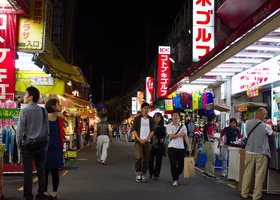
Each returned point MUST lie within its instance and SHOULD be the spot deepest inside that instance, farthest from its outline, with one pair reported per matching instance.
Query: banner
(140, 100)
(203, 28)
(149, 90)
(163, 70)
(7, 54)
(31, 27)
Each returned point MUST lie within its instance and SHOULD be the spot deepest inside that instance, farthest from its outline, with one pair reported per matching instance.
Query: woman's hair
(49, 105)
(161, 122)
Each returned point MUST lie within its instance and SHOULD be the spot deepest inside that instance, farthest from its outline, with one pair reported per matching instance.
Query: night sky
(111, 38)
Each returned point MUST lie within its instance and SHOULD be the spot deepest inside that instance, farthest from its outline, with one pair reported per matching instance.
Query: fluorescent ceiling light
(220, 73)
(172, 60)
(270, 39)
(254, 55)
(219, 69)
(263, 47)
(245, 60)
(225, 65)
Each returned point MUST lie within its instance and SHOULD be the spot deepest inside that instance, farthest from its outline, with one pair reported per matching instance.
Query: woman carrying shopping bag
(176, 148)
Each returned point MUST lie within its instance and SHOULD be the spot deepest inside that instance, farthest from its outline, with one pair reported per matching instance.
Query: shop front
(247, 62)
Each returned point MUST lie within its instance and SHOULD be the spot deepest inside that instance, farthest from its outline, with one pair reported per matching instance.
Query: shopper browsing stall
(209, 139)
(229, 135)
(176, 149)
(143, 130)
(257, 151)
(102, 137)
(54, 159)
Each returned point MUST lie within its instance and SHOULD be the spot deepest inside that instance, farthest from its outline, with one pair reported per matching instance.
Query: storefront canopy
(63, 69)
(253, 42)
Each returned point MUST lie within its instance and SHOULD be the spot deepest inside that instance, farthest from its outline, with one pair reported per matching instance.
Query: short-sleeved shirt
(178, 142)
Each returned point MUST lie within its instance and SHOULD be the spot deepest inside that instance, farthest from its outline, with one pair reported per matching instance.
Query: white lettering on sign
(163, 70)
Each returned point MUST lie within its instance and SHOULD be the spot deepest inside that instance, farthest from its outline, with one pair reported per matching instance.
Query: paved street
(86, 180)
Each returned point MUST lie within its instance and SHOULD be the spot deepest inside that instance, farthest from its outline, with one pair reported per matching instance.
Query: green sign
(9, 113)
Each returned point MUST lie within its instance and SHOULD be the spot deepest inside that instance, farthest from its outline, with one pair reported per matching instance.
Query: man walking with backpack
(102, 137)
(32, 138)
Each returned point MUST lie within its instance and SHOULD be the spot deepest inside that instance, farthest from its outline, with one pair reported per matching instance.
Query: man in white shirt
(143, 130)
(176, 148)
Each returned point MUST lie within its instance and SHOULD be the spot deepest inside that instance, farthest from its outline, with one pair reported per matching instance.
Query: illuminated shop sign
(203, 28)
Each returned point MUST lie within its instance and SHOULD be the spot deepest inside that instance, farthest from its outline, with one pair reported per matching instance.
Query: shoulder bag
(244, 142)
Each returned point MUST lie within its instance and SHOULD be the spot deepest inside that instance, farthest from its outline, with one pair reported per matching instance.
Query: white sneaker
(175, 183)
(144, 178)
(138, 177)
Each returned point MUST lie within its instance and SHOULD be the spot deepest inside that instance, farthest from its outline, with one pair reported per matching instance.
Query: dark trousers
(155, 167)
(39, 156)
(176, 158)
(55, 179)
(142, 156)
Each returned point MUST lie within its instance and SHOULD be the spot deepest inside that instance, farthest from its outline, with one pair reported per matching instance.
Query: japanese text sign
(31, 27)
(163, 70)
(8, 113)
(140, 99)
(259, 75)
(149, 90)
(253, 91)
(7, 54)
(203, 28)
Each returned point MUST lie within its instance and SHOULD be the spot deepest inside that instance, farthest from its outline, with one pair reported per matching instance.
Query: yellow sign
(31, 26)
(71, 154)
(168, 104)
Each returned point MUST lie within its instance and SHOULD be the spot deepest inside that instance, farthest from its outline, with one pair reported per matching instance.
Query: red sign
(149, 90)
(241, 108)
(7, 54)
(163, 70)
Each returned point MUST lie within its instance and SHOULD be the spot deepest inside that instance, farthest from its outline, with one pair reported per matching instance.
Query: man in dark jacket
(143, 130)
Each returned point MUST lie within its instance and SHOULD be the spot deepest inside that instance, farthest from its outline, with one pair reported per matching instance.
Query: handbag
(36, 143)
(189, 169)
(245, 140)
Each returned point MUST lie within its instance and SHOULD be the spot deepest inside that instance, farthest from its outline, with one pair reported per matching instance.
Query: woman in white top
(176, 148)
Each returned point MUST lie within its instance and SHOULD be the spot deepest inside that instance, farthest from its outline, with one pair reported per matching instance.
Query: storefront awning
(253, 105)
(78, 101)
(63, 69)
(220, 107)
(251, 43)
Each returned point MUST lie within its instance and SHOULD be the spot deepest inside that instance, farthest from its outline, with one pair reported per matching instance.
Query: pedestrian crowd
(40, 136)
(149, 147)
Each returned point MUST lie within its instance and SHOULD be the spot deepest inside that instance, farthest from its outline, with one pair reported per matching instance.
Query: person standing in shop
(229, 134)
(257, 154)
(54, 160)
(32, 139)
(143, 130)
(102, 138)
(176, 148)
(209, 139)
(157, 146)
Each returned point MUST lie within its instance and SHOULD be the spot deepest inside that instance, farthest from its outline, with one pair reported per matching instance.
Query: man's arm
(188, 143)
(21, 129)
(136, 135)
(95, 134)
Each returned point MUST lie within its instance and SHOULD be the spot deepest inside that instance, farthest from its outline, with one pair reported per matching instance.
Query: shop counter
(234, 163)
